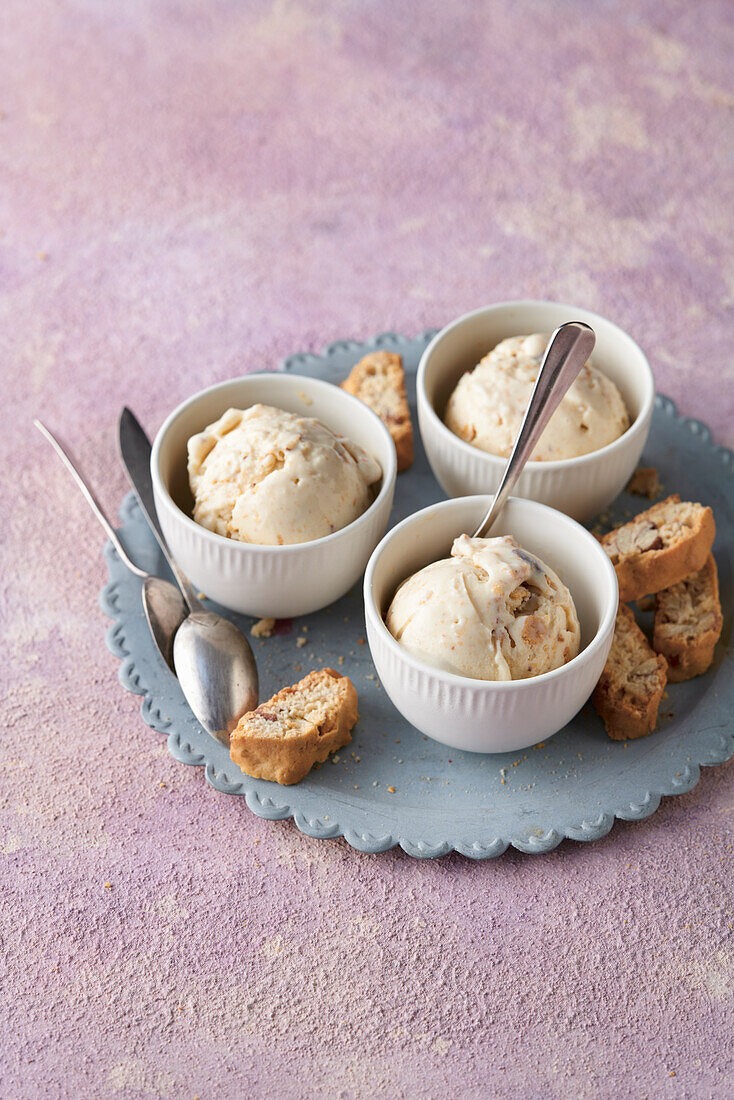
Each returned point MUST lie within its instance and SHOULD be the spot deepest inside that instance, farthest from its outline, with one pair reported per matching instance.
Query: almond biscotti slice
(688, 623)
(631, 686)
(283, 738)
(660, 546)
(379, 381)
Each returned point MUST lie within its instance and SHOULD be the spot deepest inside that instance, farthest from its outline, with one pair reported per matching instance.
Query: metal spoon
(213, 659)
(568, 349)
(165, 610)
(164, 607)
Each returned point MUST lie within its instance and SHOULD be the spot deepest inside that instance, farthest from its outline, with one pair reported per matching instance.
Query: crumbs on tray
(645, 482)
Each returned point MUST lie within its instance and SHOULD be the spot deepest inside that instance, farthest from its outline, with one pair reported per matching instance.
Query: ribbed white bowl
(278, 581)
(580, 487)
(477, 715)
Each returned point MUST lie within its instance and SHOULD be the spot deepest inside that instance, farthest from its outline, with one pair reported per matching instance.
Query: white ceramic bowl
(278, 581)
(582, 487)
(477, 715)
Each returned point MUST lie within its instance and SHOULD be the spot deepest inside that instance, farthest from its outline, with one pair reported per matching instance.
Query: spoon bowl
(215, 662)
(165, 610)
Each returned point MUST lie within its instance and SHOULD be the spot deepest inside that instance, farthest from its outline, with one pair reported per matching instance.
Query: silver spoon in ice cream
(568, 350)
(212, 658)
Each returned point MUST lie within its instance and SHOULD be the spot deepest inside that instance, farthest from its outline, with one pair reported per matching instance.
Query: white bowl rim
(606, 624)
(538, 464)
(388, 476)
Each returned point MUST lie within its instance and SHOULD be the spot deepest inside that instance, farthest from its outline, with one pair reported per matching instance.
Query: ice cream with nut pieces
(487, 406)
(274, 478)
(491, 611)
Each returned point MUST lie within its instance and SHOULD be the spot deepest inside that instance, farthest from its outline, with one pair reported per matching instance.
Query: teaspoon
(164, 607)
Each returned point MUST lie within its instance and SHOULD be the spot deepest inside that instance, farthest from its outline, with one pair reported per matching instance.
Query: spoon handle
(90, 499)
(568, 349)
(135, 451)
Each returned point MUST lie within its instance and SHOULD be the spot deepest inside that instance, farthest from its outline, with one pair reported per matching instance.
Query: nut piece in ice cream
(274, 478)
(491, 611)
(489, 402)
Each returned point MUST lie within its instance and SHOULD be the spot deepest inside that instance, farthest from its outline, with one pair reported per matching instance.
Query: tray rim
(132, 679)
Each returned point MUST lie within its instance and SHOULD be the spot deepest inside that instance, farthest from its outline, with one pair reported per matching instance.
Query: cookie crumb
(300, 642)
(263, 628)
(645, 483)
(391, 790)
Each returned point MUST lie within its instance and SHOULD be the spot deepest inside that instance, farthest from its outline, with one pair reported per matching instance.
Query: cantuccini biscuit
(660, 547)
(283, 738)
(688, 623)
(631, 686)
(379, 381)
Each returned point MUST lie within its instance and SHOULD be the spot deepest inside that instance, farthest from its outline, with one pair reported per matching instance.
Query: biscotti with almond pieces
(660, 547)
(688, 623)
(282, 739)
(631, 686)
(379, 381)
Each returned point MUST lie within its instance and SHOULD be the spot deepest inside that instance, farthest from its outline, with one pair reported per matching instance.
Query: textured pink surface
(192, 190)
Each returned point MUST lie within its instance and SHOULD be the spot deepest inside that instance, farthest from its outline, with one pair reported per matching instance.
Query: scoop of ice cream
(271, 477)
(491, 611)
(488, 404)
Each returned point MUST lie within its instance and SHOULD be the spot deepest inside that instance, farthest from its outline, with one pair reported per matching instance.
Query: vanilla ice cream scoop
(487, 406)
(491, 611)
(274, 478)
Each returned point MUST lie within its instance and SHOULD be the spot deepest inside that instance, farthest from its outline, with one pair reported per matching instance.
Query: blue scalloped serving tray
(392, 786)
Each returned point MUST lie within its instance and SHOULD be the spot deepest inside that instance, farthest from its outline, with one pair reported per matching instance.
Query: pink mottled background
(194, 189)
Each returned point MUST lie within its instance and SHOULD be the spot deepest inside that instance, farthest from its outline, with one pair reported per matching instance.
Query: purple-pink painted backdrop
(195, 189)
